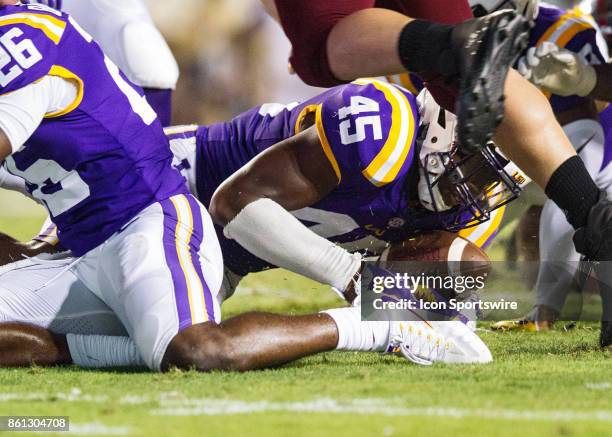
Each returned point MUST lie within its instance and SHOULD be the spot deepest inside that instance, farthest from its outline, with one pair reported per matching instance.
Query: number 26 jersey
(99, 162)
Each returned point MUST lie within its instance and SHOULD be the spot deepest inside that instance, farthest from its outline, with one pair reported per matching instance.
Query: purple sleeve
(367, 131)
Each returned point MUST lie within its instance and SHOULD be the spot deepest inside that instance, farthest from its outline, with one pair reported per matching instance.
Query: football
(437, 253)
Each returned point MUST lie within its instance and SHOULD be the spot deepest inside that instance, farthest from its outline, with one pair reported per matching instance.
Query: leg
(532, 138)
(37, 296)
(23, 345)
(46, 293)
(161, 275)
(251, 341)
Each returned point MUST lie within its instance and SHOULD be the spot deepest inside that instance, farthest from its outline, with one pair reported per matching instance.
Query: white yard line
(598, 386)
(97, 428)
(215, 407)
(176, 404)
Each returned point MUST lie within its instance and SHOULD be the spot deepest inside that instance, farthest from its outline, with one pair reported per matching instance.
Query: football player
(579, 34)
(125, 31)
(358, 189)
(92, 150)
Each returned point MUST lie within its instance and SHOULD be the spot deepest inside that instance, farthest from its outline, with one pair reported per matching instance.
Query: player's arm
(253, 206)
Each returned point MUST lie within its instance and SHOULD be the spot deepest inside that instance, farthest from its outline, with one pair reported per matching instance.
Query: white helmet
(528, 8)
(471, 184)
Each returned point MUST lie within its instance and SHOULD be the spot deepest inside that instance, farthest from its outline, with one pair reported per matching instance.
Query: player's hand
(557, 71)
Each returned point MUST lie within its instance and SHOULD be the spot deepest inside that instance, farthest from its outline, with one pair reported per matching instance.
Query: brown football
(437, 253)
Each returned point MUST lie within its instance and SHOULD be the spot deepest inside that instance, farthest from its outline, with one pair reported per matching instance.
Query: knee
(203, 347)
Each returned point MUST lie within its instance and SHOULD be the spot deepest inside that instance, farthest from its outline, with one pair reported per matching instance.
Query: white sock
(97, 351)
(356, 335)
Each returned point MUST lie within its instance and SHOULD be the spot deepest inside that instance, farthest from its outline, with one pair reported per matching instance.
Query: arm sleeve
(13, 183)
(22, 111)
(307, 24)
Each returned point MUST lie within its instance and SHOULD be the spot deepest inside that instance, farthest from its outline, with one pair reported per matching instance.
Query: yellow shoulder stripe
(56, 70)
(385, 167)
(325, 143)
(565, 29)
(52, 27)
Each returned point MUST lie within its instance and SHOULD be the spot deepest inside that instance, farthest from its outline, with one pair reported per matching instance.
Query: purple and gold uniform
(367, 130)
(93, 168)
(103, 168)
(573, 31)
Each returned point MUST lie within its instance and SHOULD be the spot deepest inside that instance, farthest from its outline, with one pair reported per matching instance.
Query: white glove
(557, 71)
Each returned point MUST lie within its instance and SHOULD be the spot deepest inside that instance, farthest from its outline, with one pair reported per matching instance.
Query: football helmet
(467, 185)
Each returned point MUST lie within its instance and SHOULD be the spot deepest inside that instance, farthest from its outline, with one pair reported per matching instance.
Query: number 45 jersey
(96, 164)
(368, 132)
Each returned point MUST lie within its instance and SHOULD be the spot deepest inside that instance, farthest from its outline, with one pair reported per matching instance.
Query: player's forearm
(372, 35)
(270, 232)
(603, 86)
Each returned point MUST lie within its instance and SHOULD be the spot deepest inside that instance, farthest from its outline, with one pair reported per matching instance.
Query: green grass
(540, 384)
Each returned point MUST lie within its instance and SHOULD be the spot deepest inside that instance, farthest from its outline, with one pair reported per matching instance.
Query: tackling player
(578, 116)
(125, 31)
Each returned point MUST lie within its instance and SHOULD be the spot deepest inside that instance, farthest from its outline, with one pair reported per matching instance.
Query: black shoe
(487, 48)
(594, 240)
(605, 337)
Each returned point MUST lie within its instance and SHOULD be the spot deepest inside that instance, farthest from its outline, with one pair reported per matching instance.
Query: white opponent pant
(159, 275)
(558, 258)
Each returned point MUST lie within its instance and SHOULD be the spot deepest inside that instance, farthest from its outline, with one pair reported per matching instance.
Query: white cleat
(428, 342)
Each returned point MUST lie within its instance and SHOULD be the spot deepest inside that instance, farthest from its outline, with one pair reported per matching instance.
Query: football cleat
(594, 241)
(522, 325)
(541, 318)
(427, 342)
(487, 48)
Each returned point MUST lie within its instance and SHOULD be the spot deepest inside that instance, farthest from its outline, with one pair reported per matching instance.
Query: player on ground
(93, 151)
(149, 265)
(376, 198)
(125, 31)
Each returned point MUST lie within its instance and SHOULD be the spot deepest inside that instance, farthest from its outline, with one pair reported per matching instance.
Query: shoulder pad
(367, 130)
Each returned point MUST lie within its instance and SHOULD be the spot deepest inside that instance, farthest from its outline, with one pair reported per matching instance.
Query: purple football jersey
(368, 131)
(98, 163)
(571, 30)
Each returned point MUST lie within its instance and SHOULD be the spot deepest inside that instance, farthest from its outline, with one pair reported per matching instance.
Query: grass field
(548, 384)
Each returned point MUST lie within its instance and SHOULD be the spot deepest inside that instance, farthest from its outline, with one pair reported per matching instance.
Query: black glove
(595, 239)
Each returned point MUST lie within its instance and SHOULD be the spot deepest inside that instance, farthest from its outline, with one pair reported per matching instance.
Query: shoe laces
(418, 346)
